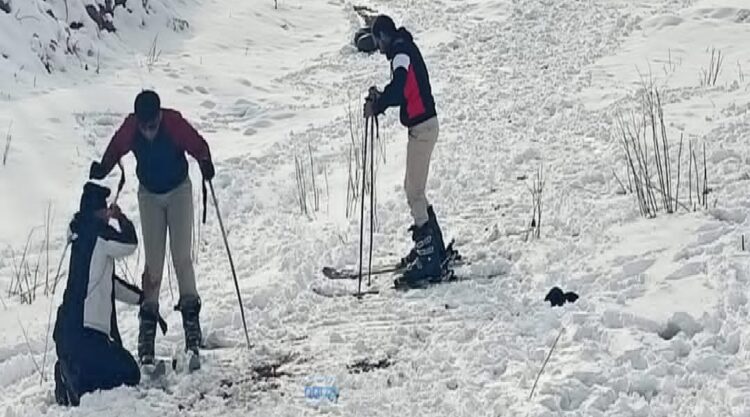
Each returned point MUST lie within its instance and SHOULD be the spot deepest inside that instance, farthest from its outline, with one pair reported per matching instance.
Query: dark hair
(147, 106)
(383, 25)
(94, 197)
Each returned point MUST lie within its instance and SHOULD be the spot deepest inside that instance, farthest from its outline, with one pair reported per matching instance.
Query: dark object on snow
(366, 365)
(364, 41)
(557, 297)
(5, 6)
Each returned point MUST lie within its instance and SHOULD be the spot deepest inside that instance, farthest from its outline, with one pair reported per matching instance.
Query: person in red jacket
(159, 139)
(410, 90)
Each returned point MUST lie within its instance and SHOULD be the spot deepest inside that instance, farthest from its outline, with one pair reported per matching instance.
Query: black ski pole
(121, 184)
(373, 127)
(362, 208)
(231, 262)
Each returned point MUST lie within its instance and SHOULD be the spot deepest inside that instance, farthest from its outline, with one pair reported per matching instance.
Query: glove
(373, 94)
(96, 171)
(557, 297)
(207, 169)
(369, 110)
(115, 212)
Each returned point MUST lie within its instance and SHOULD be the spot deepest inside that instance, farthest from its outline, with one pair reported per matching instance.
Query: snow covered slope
(660, 326)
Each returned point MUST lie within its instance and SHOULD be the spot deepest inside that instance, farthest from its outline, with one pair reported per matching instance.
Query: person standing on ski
(410, 89)
(89, 350)
(159, 139)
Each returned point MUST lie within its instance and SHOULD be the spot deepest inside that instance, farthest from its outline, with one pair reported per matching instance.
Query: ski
(449, 276)
(453, 258)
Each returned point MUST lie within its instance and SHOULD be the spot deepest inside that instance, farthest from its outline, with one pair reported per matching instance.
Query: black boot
(427, 264)
(190, 307)
(439, 244)
(437, 233)
(412, 255)
(148, 317)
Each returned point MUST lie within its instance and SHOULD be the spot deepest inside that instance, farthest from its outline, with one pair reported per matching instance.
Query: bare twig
(28, 346)
(739, 70)
(697, 179)
(624, 190)
(705, 178)
(536, 201)
(153, 54)
(660, 191)
(679, 160)
(316, 199)
(690, 173)
(49, 312)
(549, 355)
(48, 223)
(8, 138)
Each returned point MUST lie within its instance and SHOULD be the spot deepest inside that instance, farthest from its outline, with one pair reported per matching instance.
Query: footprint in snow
(208, 104)
(201, 90)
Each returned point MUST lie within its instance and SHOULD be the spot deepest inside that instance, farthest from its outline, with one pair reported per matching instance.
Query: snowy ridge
(659, 329)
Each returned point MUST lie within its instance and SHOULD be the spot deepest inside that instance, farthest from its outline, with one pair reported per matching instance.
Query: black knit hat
(94, 197)
(147, 106)
(383, 25)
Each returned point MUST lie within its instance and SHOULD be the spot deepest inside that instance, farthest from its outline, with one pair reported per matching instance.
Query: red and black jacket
(161, 162)
(410, 84)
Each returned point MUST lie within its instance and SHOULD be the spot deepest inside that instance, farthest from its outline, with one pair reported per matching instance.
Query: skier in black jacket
(410, 90)
(89, 349)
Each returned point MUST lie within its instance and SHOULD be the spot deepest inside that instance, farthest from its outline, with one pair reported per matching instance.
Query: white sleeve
(401, 61)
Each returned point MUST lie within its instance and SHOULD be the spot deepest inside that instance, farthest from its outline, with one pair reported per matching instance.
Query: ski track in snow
(511, 80)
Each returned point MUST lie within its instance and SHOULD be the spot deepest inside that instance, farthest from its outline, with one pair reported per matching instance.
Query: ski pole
(373, 128)
(231, 262)
(121, 184)
(362, 208)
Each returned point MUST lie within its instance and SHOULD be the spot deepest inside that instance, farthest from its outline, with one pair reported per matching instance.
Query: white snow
(659, 329)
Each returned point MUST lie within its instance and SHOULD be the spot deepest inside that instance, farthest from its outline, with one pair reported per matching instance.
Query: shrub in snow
(44, 36)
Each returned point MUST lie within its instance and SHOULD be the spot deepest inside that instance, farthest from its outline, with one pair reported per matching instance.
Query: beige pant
(422, 139)
(171, 211)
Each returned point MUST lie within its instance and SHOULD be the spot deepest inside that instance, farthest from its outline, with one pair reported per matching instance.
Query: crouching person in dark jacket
(89, 349)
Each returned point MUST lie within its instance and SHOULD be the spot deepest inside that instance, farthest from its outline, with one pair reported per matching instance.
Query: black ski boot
(190, 308)
(437, 233)
(148, 317)
(439, 244)
(427, 265)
